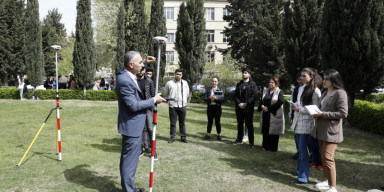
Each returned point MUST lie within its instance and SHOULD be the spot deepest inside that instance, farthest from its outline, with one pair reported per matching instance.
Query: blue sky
(66, 7)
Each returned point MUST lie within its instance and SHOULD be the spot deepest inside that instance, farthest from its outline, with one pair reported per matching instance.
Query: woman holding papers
(272, 115)
(214, 97)
(329, 131)
(303, 124)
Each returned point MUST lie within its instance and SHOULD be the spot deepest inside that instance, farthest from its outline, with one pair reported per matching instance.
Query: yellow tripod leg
(25, 154)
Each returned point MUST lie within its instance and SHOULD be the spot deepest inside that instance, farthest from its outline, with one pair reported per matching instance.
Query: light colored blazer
(276, 122)
(302, 121)
(132, 106)
(329, 126)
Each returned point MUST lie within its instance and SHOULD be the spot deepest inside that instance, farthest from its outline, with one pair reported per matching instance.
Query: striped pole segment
(153, 149)
(58, 135)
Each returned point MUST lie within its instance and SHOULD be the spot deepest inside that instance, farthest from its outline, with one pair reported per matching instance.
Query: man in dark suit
(131, 118)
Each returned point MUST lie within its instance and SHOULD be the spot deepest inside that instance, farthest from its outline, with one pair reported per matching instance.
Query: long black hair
(335, 77)
(306, 97)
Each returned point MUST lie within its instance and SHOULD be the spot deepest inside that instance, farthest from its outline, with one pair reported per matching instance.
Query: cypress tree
(352, 43)
(266, 50)
(191, 40)
(120, 48)
(12, 39)
(84, 55)
(53, 34)
(301, 29)
(34, 55)
(136, 26)
(157, 27)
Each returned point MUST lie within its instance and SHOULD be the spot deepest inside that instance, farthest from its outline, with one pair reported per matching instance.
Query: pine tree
(301, 28)
(157, 27)
(136, 26)
(34, 55)
(120, 48)
(352, 43)
(191, 40)
(53, 33)
(84, 55)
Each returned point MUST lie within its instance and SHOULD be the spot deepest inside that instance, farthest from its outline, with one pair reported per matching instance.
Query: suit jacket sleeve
(341, 106)
(128, 95)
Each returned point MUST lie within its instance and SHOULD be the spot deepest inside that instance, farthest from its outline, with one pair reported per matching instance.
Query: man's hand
(294, 107)
(212, 97)
(264, 108)
(159, 99)
(150, 59)
(242, 105)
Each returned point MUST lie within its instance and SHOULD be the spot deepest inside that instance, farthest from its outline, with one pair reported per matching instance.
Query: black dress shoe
(184, 140)
(148, 150)
(139, 190)
(207, 137)
(171, 140)
(297, 182)
(251, 146)
(219, 138)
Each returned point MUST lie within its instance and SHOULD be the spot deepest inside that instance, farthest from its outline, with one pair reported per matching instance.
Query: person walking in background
(102, 84)
(63, 80)
(329, 125)
(21, 86)
(72, 82)
(178, 90)
(112, 83)
(131, 118)
(272, 115)
(214, 97)
(303, 124)
(147, 87)
(96, 86)
(291, 114)
(244, 97)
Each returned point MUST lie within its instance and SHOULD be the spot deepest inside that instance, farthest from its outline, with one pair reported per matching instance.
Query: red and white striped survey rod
(159, 41)
(58, 135)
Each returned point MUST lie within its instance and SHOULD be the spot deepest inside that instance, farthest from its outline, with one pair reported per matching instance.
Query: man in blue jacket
(131, 118)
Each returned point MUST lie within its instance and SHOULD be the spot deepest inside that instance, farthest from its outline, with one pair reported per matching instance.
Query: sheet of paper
(312, 109)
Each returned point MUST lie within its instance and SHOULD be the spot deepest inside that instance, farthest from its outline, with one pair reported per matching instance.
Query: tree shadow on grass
(90, 179)
(109, 145)
(279, 167)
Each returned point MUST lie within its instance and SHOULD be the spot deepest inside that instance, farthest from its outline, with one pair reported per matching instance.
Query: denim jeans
(303, 159)
(314, 144)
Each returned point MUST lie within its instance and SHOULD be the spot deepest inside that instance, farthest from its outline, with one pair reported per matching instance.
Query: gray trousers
(148, 129)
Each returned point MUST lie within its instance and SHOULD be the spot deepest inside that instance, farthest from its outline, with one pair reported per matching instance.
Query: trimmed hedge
(367, 116)
(377, 98)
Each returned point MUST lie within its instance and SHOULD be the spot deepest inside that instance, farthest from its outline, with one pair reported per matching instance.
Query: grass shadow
(109, 145)
(90, 179)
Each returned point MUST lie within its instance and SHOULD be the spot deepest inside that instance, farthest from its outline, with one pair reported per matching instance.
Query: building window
(210, 14)
(225, 38)
(210, 56)
(171, 74)
(170, 57)
(226, 12)
(169, 13)
(170, 37)
(211, 36)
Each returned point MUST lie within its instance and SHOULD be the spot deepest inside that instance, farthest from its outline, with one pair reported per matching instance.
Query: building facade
(215, 25)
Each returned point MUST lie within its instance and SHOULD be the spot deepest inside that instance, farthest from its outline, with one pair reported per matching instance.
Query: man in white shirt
(177, 90)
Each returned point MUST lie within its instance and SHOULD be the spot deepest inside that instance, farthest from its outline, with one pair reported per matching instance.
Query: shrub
(377, 98)
(197, 97)
(9, 93)
(367, 116)
(101, 95)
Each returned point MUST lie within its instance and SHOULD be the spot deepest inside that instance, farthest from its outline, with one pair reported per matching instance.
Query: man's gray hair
(129, 57)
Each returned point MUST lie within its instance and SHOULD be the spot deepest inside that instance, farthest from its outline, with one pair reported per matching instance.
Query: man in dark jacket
(245, 95)
(147, 87)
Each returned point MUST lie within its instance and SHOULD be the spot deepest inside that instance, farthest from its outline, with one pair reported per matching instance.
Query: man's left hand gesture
(150, 59)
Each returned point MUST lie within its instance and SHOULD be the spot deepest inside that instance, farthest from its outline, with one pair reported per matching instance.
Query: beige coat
(329, 127)
(276, 123)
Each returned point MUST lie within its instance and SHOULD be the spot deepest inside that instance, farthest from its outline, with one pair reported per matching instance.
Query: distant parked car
(230, 89)
(198, 88)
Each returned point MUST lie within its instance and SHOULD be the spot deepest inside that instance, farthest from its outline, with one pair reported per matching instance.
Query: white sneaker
(332, 190)
(245, 139)
(322, 185)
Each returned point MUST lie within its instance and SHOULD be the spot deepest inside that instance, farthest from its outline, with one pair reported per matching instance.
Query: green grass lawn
(91, 153)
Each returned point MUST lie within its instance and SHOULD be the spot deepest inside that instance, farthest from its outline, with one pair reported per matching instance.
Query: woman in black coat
(214, 97)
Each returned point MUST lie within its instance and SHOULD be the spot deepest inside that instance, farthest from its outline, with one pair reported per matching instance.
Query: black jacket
(218, 101)
(251, 91)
